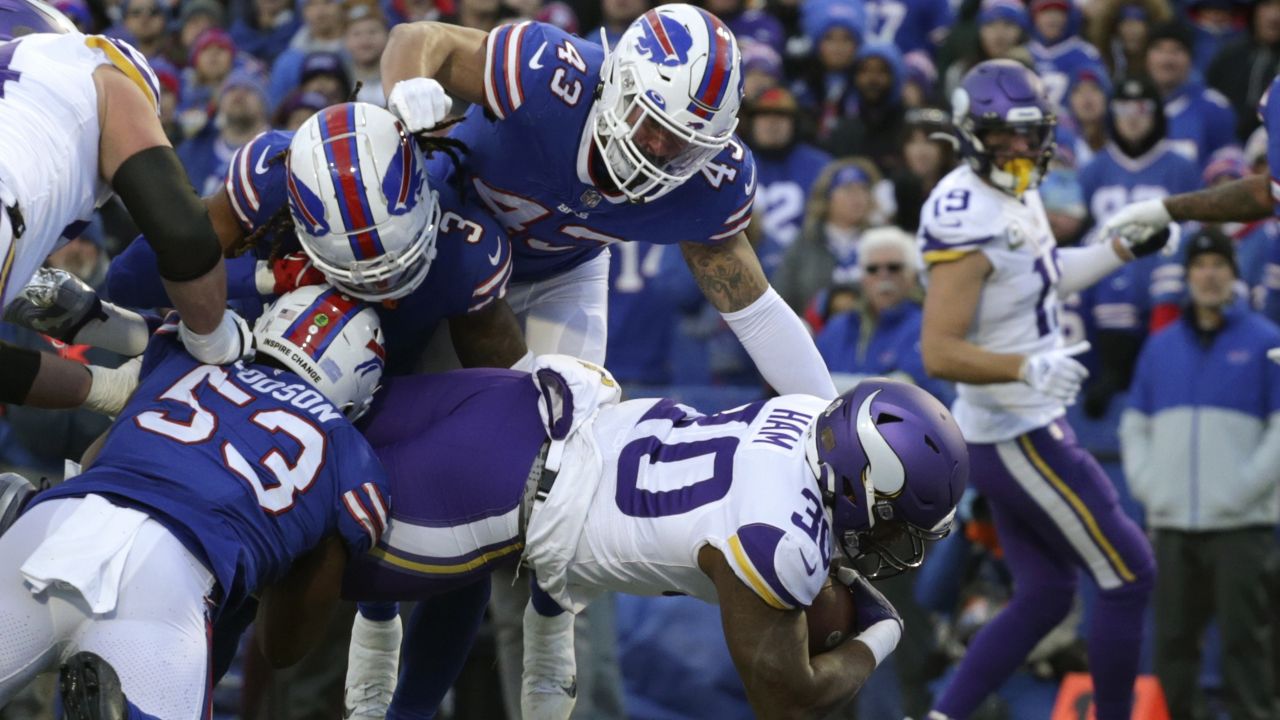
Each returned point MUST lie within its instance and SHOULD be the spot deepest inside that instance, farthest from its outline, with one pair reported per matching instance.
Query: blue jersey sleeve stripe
(734, 230)
(498, 280)
(359, 514)
(495, 76)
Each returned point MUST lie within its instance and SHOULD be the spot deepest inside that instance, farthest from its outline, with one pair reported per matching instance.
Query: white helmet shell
(361, 202)
(669, 100)
(329, 338)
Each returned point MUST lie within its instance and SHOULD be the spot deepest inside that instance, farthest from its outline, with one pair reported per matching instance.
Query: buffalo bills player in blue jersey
(355, 189)
(573, 149)
(211, 484)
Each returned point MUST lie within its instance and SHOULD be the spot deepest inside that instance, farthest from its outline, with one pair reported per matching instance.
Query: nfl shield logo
(590, 198)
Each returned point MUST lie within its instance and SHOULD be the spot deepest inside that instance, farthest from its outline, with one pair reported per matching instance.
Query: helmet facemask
(1019, 174)
(390, 275)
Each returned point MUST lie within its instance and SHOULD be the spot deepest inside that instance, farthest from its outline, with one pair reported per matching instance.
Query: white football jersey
(1018, 309)
(49, 133)
(674, 480)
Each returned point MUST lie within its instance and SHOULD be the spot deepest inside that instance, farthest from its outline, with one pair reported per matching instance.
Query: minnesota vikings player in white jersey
(991, 325)
(650, 497)
(78, 121)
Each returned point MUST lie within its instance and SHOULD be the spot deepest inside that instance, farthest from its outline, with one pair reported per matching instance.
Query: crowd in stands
(846, 113)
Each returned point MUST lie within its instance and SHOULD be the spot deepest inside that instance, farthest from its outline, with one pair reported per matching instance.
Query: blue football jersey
(473, 257)
(1056, 64)
(533, 164)
(784, 184)
(909, 24)
(249, 466)
(1269, 113)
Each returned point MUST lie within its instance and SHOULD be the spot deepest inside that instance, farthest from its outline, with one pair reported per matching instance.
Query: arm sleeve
(507, 70)
(955, 222)
(1084, 266)
(364, 502)
(256, 181)
(781, 347)
(775, 565)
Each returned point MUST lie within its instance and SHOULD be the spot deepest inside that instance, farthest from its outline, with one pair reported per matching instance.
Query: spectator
(1063, 202)
(1243, 69)
(1201, 447)
(1216, 24)
(925, 160)
(839, 210)
(325, 73)
(170, 95)
(145, 26)
(242, 114)
(78, 12)
(195, 17)
(1002, 33)
(1120, 30)
(1087, 112)
(366, 36)
(212, 59)
(1057, 48)
(617, 15)
(558, 14)
(748, 23)
(909, 25)
(266, 29)
(834, 28)
(297, 108)
(761, 68)
(875, 129)
(481, 14)
(785, 171)
(883, 336)
(1137, 164)
(1200, 119)
(919, 80)
(323, 23)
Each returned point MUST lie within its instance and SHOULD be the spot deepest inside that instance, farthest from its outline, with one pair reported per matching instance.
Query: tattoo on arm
(729, 275)
(1237, 201)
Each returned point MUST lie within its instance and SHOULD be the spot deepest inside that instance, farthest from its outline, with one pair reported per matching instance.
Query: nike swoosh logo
(261, 166)
(534, 62)
(497, 254)
(809, 569)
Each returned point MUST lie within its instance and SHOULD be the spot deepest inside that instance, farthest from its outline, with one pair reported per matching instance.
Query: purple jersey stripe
(760, 543)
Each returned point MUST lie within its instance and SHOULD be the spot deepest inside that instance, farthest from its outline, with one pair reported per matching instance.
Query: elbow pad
(157, 194)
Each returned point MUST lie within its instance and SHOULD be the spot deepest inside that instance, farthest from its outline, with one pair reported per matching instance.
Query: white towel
(87, 551)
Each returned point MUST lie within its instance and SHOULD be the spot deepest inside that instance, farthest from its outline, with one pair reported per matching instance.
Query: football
(831, 617)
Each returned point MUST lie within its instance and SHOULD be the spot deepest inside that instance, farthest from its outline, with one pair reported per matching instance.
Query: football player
(651, 497)
(573, 149)
(78, 121)
(991, 325)
(352, 187)
(211, 484)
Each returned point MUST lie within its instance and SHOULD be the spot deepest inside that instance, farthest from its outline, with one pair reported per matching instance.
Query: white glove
(420, 102)
(1055, 372)
(1139, 221)
(1274, 354)
(232, 340)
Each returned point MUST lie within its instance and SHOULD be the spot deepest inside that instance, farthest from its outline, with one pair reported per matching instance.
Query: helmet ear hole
(932, 445)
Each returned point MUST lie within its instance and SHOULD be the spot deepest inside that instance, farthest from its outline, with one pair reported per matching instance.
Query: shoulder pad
(784, 572)
(957, 220)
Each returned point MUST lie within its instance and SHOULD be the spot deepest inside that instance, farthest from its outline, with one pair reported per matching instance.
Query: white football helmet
(361, 203)
(669, 100)
(329, 338)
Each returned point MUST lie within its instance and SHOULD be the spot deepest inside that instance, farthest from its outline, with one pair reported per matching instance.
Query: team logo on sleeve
(665, 41)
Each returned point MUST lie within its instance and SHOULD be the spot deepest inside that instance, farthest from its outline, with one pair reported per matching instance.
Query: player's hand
(294, 271)
(1274, 354)
(1056, 373)
(232, 340)
(420, 102)
(111, 388)
(55, 303)
(1137, 224)
(870, 605)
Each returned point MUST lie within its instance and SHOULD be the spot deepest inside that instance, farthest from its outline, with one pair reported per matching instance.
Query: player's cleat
(15, 491)
(91, 689)
(373, 663)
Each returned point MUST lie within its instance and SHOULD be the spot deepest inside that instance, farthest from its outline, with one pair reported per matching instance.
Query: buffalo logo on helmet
(307, 207)
(377, 362)
(664, 40)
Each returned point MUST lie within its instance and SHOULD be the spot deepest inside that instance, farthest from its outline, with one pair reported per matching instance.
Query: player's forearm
(201, 301)
(488, 338)
(1242, 200)
(959, 360)
(451, 55)
(830, 681)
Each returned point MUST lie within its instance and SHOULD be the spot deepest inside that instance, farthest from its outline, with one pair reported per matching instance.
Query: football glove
(55, 303)
(1055, 372)
(286, 274)
(232, 340)
(421, 103)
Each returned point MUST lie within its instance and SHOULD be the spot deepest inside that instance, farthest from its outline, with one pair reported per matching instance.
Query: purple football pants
(1056, 513)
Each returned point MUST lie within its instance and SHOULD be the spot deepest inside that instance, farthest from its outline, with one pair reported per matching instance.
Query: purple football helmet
(891, 464)
(24, 17)
(1004, 96)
